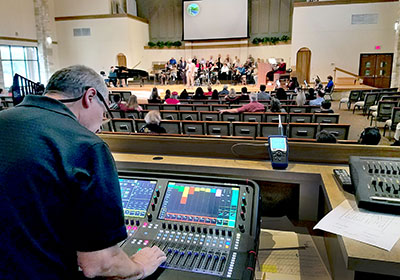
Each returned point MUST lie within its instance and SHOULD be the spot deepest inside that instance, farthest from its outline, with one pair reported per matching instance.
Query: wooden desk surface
(357, 255)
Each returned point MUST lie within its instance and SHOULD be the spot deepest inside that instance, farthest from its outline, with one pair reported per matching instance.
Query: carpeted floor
(357, 121)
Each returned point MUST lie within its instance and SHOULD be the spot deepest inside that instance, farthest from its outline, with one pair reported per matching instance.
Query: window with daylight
(19, 60)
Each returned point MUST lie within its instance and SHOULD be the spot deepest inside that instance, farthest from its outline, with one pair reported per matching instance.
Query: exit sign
(378, 47)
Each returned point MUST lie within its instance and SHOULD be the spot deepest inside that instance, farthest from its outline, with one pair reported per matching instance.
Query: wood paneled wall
(266, 18)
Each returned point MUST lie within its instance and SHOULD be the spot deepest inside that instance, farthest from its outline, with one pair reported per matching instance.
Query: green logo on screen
(193, 9)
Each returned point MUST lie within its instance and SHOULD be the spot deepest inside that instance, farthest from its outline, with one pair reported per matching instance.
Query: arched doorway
(121, 59)
(303, 62)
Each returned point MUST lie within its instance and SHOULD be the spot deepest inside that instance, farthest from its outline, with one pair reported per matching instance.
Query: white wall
(327, 31)
(263, 52)
(17, 16)
(81, 7)
(108, 38)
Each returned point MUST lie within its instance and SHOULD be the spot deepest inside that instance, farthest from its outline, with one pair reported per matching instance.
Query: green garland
(161, 44)
(272, 40)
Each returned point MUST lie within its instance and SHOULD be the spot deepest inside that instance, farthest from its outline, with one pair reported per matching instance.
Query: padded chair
(125, 95)
(305, 130)
(271, 117)
(329, 93)
(383, 112)
(326, 118)
(170, 115)
(340, 131)
(185, 107)
(172, 127)
(139, 123)
(133, 115)
(218, 128)
(123, 125)
(218, 107)
(369, 100)
(231, 117)
(209, 116)
(168, 107)
(394, 120)
(202, 107)
(301, 117)
(267, 129)
(189, 115)
(384, 96)
(106, 126)
(297, 109)
(253, 117)
(192, 127)
(156, 107)
(248, 129)
(353, 97)
(117, 114)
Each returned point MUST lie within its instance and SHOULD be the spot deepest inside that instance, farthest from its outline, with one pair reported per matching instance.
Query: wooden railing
(357, 79)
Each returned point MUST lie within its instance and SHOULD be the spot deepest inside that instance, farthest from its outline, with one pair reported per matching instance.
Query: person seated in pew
(370, 136)
(311, 95)
(215, 95)
(245, 94)
(318, 100)
(132, 104)
(184, 94)
(263, 95)
(209, 91)
(301, 98)
(224, 91)
(281, 94)
(167, 95)
(199, 94)
(116, 105)
(173, 100)
(276, 106)
(326, 107)
(253, 106)
(326, 137)
(152, 119)
(232, 97)
(154, 97)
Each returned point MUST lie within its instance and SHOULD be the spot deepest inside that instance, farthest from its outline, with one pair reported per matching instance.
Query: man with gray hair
(224, 91)
(253, 106)
(60, 197)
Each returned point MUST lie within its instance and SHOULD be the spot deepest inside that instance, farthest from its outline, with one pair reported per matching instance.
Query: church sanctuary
(200, 139)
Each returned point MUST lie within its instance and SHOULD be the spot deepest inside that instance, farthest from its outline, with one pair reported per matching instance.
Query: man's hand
(149, 259)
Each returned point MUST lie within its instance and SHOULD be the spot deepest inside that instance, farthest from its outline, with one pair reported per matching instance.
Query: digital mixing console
(207, 227)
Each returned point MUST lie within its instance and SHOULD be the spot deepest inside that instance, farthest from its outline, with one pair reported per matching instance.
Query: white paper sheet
(377, 229)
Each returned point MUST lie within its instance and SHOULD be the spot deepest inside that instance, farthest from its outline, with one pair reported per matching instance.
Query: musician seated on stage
(154, 97)
(263, 95)
(153, 120)
(225, 72)
(112, 75)
(330, 84)
(253, 106)
(173, 99)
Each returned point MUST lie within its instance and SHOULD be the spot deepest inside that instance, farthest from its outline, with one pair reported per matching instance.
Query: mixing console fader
(208, 228)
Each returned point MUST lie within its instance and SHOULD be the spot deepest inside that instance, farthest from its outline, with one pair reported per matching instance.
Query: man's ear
(88, 98)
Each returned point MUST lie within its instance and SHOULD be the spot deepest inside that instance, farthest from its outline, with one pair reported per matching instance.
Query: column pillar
(43, 31)
(1, 76)
(396, 59)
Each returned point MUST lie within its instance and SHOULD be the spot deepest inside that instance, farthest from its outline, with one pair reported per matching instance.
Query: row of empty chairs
(223, 128)
(246, 117)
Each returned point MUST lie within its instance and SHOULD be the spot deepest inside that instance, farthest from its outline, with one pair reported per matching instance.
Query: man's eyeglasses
(98, 94)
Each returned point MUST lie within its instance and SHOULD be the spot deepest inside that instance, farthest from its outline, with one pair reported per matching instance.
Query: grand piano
(123, 73)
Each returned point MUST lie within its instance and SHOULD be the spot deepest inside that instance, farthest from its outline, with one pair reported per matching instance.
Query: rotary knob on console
(205, 230)
(217, 231)
(155, 199)
(223, 232)
(149, 217)
(211, 231)
(186, 228)
(175, 227)
(157, 193)
(244, 200)
(164, 225)
(242, 215)
(229, 233)
(193, 229)
(153, 206)
(241, 227)
(181, 227)
(169, 226)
